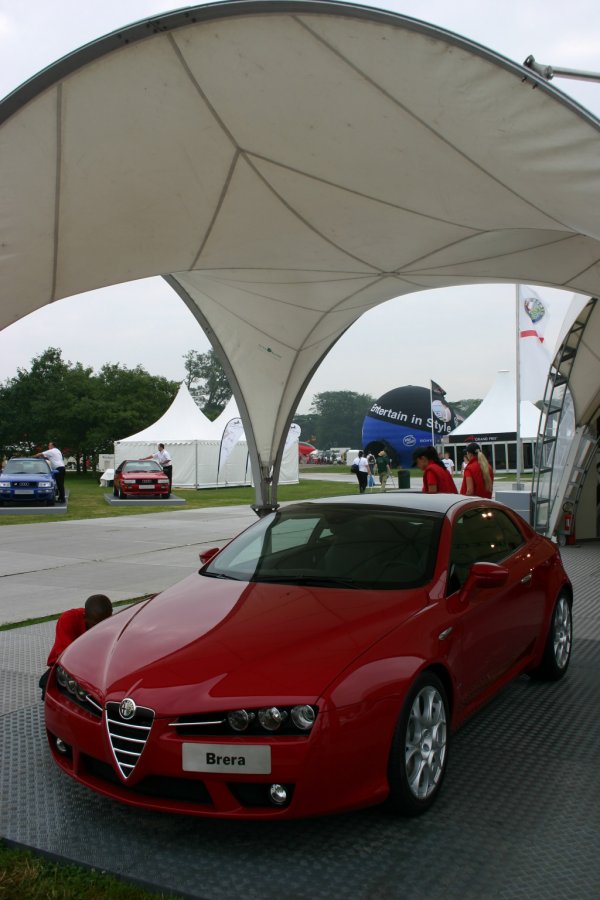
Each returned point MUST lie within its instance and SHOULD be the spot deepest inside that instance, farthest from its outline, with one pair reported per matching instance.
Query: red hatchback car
(318, 663)
(140, 478)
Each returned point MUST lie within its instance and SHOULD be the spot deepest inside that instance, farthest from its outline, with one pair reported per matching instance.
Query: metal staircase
(564, 451)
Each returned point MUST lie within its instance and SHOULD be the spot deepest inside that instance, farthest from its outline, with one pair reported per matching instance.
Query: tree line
(85, 412)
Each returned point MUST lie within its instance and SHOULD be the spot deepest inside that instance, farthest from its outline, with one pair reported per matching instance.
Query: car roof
(416, 501)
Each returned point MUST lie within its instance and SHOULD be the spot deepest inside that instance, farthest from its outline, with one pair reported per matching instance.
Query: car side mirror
(486, 575)
(207, 555)
(481, 575)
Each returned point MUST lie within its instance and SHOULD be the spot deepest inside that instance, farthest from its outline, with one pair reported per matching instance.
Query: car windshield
(143, 465)
(26, 467)
(334, 545)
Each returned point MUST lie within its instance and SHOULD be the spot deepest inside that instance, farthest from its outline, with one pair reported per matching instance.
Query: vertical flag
(534, 358)
(442, 417)
(293, 435)
(231, 435)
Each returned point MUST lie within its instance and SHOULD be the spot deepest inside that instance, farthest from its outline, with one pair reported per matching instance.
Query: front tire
(419, 753)
(557, 652)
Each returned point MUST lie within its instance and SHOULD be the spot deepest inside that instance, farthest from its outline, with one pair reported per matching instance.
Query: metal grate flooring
(519, 816)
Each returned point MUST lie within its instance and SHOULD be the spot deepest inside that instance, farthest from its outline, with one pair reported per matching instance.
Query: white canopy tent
(497, 413)
(287, 166)
(194, 443)
(494, 423)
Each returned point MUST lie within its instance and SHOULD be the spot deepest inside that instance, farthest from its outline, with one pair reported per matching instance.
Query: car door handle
(526, 578)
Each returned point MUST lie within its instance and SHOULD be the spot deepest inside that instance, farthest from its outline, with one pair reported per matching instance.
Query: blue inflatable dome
(402, 420)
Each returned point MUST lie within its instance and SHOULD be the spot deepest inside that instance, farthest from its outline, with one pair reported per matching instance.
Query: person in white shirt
(448, 462)
(57, 464)
(163, 458)
(362, 473)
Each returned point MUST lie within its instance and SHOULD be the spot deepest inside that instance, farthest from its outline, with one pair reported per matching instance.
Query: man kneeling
(72, 624)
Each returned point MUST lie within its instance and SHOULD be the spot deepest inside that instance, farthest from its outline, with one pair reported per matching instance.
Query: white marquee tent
(194, 443)
(302, 163)
(494, 423)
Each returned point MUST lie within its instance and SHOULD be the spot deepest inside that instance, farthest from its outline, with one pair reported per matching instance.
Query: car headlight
(239, 719)
(271, 718)
(61, 676)
(45, 484)
(128, 480)
(4, 484)
(303, 717)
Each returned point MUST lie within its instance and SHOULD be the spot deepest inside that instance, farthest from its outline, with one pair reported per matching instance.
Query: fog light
(239, 719)
(278, 794)
(63, 748)
(271, 718)
(303, 717)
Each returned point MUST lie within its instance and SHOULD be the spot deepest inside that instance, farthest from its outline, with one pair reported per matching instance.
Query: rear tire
(419, 752)
(557, 652)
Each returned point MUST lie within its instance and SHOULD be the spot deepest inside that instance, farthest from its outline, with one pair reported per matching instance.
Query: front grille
(146, 481)
(128, 736)
(25, 484)
(183, 790)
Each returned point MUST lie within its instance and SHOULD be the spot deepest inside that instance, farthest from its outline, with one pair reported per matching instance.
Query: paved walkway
(48, 567)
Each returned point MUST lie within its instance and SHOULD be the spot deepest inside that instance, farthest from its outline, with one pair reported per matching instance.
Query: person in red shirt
(72, 624)
(436, 477)
(478, 476)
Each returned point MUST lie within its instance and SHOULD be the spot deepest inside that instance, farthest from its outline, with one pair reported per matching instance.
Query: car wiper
(302, 579)
(222, 575)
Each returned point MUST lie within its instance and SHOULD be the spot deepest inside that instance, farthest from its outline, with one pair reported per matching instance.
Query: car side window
(483, 534)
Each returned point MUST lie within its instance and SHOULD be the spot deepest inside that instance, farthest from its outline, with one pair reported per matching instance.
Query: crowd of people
(438, 474)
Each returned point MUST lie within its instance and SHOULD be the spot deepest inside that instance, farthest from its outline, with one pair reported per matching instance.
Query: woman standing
(436, 477)
(478, 477)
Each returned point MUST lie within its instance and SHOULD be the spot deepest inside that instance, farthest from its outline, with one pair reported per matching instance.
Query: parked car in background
(140, 478)
(317, 663)
(26, 480)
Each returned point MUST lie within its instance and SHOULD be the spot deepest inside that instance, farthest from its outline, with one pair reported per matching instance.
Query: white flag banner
(293, 435)
(231, 435)
(534, 358)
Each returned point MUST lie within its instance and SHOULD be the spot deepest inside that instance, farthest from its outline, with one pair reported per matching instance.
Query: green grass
(28, 877)
(8, 626)
(86, 499)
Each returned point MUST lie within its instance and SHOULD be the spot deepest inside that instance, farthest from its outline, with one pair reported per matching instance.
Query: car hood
(206, 642)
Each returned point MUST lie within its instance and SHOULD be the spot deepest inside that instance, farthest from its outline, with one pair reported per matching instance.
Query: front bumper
(321, 772)
(28, 495)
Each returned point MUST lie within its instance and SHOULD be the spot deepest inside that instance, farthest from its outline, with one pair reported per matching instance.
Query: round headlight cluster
(272, 718)
(67, 681)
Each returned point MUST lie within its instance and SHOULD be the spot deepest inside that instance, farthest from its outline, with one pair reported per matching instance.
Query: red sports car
(318, 663)
(140, 478)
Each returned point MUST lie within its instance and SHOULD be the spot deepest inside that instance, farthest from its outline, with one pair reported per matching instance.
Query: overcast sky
(395, 344)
